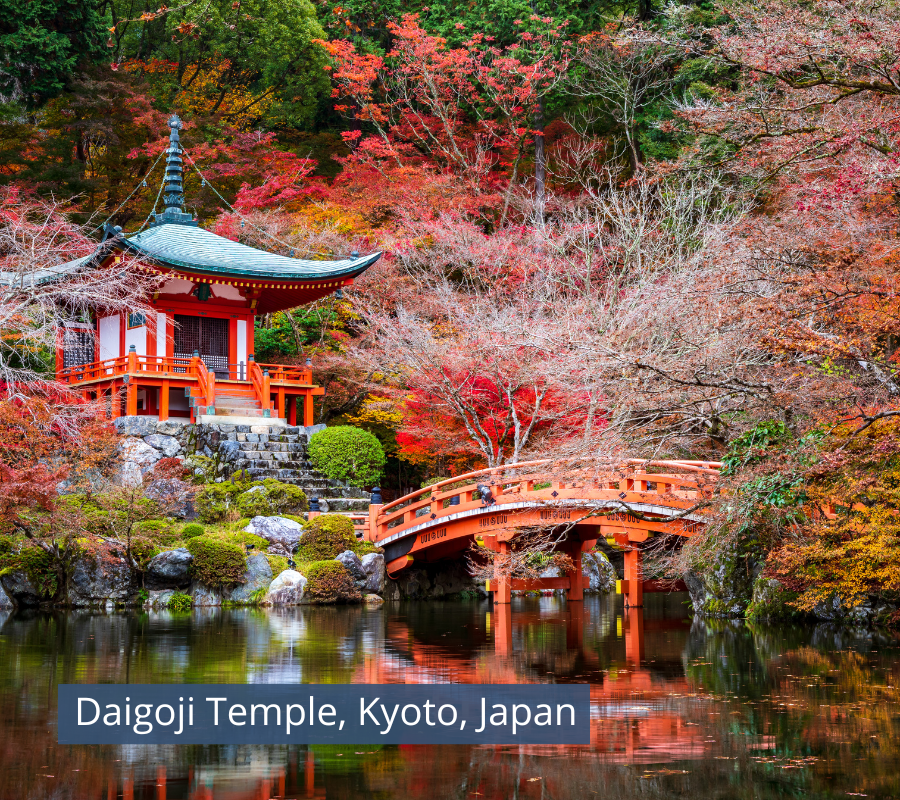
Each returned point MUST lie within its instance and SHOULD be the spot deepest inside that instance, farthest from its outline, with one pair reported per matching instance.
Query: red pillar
(634, 575)
(307, 409)
(292, 410)
(576, 584)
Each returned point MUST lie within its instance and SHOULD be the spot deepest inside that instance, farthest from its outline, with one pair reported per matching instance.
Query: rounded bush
(216, 562)
(329, 582)
(345, 453)
(326, 536)
(191, 530)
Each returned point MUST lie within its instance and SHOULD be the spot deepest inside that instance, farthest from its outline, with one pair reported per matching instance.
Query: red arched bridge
(626, 505)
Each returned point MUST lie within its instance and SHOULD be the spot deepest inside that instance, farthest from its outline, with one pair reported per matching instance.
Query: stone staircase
(279, 451)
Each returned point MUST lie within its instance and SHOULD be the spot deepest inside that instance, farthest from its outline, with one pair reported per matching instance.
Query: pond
(679, 708)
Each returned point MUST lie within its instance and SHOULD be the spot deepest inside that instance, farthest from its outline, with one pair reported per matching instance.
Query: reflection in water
(703, 710)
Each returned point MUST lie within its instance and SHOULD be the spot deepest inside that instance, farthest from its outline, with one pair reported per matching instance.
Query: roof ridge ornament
(174, 180)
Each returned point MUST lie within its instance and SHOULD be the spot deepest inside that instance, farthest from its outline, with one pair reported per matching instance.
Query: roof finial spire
(174, 172)
(174, 180)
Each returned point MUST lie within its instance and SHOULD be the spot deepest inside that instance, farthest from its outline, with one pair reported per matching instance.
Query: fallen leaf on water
(531, 780)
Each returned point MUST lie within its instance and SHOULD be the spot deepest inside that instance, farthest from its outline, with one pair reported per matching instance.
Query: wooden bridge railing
(508, 483)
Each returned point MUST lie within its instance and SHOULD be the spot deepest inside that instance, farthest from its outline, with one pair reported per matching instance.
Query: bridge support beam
(634, 576)
(576, 584)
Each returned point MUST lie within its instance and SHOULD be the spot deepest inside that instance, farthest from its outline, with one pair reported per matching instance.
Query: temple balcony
(167, 386)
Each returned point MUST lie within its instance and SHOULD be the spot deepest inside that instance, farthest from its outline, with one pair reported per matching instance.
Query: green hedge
(326, 536)
(345, 453)
(217, 562)
(329, 582)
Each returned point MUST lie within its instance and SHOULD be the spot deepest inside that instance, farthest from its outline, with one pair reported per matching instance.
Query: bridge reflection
(643, 708)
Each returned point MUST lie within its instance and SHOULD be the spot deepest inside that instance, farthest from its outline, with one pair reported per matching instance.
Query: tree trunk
(540, 163)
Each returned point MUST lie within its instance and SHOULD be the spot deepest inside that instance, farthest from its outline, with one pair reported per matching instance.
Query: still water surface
(679, 709)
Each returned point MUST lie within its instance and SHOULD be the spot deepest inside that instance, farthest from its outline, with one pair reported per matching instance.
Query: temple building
(193, 356)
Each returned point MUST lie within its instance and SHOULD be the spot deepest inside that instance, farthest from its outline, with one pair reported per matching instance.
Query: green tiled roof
(198, 250)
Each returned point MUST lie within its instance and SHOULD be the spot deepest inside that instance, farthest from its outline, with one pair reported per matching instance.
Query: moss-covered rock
(771, 601)
(330, 582)
(722, 586)
(216, 562)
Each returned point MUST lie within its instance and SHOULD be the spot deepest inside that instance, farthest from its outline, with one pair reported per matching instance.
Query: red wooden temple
(193, 355)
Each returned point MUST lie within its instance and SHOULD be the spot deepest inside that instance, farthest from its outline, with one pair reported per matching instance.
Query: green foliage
(755, 445)
(270, 498)
(215, 501)
(142, 550)
(329, 582)
(180, 602)
(326, 536)
(42, 43)
(216, 561)
(345, 453)
(258, 596)
(191, 530)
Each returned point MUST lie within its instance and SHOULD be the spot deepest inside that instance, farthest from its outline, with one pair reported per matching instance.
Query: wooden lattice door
(207, 336)
(78, 346)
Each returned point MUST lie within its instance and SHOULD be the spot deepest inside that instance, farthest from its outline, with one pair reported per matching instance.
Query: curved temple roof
(199, 250)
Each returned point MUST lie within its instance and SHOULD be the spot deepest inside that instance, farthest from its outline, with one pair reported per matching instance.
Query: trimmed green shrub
(216, 562)
(271, 497)
(329, 582)
(326, 536)
(191, 530)
(180, 602)
(345, 453)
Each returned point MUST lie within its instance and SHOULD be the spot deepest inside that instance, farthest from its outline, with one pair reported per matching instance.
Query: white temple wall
(109, 337)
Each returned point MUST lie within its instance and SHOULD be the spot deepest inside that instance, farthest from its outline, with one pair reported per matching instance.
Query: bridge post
(575, 591)
(634, 576)
(503, 590)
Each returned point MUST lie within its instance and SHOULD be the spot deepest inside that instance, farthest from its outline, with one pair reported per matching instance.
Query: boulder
(354, 566)
(171, 427)
(6, 604)
(373, 567)
(175, 496)
(373, 600)
(286, 590)
(100, 577)
(277, 531)
(167, 445)
(258, 576)
(159, 599)
(602, 574)
(205, 596)
(19, 588)
(135, 426)
(139, 452)
(169, 570)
